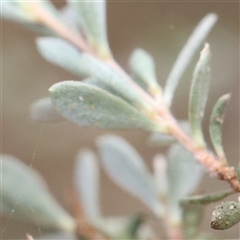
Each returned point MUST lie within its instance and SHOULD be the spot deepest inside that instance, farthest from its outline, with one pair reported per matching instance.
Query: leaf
(86, 180)
(43, 110)
(186, 54)
(58, 236)
(112, 79)
(127, 169)
(61, 53)
(112, 226)
(95, 82)
(206, 198)
(26, 14)
(184, 175)
(164, 140)
(134, 225)
(92, 18)
(160, 175)
(225, 215)
(159, 139)
(192, 217)
(17, 11)
(90, 106)
(25, 193)
(198, 95)
(143, 68)
(216, 121)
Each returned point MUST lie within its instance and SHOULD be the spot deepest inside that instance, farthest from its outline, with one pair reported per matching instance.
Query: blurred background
(161, 28)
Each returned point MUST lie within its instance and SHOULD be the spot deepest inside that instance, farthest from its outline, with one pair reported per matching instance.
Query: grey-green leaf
(192, 217)
(43, 110)
(87, 183)
(225, 215)
(90, 106)
(143, 69)
(199, 95)
(109, 77)
(164, 140)
(184, 176)
(127, 169)
(92, 18)
(186, 54)
(159, 139)
(94, 81)
(61, 53)
(17, 11)
(206, 198)
(25, 193)
(216, 121)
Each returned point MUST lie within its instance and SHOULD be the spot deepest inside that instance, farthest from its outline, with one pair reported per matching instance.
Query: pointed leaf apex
(206, 51)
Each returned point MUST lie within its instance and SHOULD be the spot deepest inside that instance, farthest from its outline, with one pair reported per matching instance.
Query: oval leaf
(95, 82)
(43, 110)
(90, 106)
(199, 94)
(127, 169)
(61, 53)
(184, 175)
(92, 18)
(216, 121)
(24, 192)
(87, 183)
(112, 79)
(186, 54)
(225, 215)
(143, 69)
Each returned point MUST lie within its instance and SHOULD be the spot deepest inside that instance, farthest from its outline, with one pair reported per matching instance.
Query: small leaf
(112, 226)
(216, 124)
(160, 175)
(164, 140)
(90, 106)
(112, 79)
(184, 176)
(159, 139)
(198, 95)
(143, 68)
(43, 110)
(95, 82)
(17, 11)
(134, 225)
(206, 198)
(127, 169)
(92, 18)
(58, 236)
(24, 192)
(192, 217)
(25, 13)
(206, 236)
(87, 183)
(61, 53)
(186, 54)
(225, 215)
